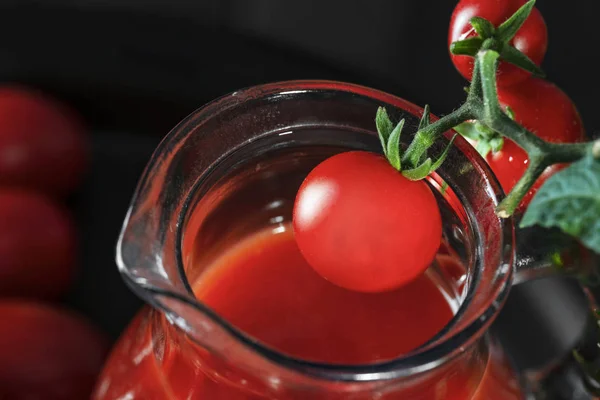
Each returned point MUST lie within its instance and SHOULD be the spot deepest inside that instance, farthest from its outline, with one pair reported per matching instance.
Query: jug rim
(421, 359)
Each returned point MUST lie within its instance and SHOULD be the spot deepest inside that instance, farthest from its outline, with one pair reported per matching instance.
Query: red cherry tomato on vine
(42, 143)
(47, 353)
(545, 110)
(363, 226)
(532, 38)
(37, 245)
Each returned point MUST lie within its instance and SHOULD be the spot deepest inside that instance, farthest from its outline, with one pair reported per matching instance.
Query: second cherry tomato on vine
(531, 39)
(545, 110)
(47, 352)
(363, 226)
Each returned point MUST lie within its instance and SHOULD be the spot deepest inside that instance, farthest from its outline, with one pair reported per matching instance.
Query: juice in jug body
(237, 312)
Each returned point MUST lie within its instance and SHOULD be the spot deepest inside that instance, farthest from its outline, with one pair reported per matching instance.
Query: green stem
(482, 104)
(510, 203)
(548, 154)
(493, 116)
(475, 90)
(568, 152)
(541, 153)
(425, 137)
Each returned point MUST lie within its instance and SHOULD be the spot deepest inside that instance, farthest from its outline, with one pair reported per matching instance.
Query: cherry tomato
(532, 38)
(37, 245)
(363, 226)
(47, 353)
(42, 143)
(545, 110)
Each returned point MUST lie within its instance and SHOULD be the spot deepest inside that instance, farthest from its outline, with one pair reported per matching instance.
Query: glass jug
(230, 170)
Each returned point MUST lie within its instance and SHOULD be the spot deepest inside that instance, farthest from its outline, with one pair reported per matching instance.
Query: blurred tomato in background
(48, 353)
(38, 245)
(42, 143)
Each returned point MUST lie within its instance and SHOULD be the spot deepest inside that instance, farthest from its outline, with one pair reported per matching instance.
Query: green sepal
(516, 57)
(496, 144)
(419, 172)
(466, 47)
(425, 119)
(485, 139)
(393, 146)
(384, 127)
(511, 26)
(498, 39)
(570, 200)
(468, 130)
(483, 148)
(443, 156)
(483, 27)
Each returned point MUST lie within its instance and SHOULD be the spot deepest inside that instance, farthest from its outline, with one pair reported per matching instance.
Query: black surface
(134, 69)
(542, 321)
(142, 66)
(117, 163)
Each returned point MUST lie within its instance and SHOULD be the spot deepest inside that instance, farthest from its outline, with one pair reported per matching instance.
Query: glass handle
(544, 252)
(577, 377)
(587, 354)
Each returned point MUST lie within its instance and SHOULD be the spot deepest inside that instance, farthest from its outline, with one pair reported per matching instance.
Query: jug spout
(146, 253)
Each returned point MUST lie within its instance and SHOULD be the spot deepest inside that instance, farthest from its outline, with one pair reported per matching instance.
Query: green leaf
(468, 130)
(570, 200)
(425, 120)
(384, 127)
(485, 131)
(514, 56)
(418, 173)
(511, 26)
(485, 139)
(483, 147)
(443, 156)
(393, 146)
(466, 47)
(483, 27)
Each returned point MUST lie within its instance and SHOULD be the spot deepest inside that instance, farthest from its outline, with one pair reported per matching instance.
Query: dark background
(134, 69)
(143, 65)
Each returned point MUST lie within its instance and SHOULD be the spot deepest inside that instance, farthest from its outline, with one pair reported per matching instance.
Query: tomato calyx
(483, 138)
(389, 135)
(498, 39)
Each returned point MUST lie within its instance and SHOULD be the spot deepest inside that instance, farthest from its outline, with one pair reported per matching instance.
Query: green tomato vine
(569, 200)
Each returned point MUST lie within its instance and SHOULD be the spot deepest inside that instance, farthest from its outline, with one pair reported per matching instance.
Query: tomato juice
(263, 286)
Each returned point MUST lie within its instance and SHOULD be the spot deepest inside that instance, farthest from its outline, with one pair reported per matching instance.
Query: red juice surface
(264, 287)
